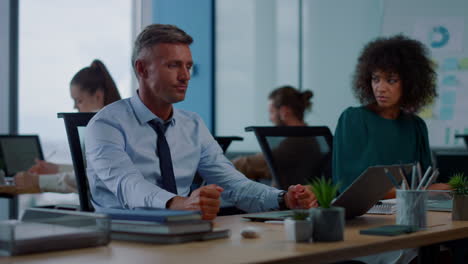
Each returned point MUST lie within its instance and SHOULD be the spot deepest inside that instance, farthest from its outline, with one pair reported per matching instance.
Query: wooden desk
(11, 190)
(6, 190)
(271, 247)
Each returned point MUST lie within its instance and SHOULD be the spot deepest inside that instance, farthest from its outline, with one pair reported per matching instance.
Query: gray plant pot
(460, 208)
(328, 223)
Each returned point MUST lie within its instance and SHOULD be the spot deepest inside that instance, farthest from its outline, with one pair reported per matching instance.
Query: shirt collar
(144, 115)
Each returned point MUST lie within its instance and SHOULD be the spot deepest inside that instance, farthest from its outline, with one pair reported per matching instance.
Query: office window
(58, 38)
(257, 45)
(332, 40)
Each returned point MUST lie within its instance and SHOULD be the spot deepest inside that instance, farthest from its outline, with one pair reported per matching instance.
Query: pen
(392, 179)
(413, 178)
(404, 176)
(426, 175)
(50, 155)
(432, 179)
(418, 166)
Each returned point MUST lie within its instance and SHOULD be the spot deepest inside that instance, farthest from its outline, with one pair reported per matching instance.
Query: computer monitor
(18, 152)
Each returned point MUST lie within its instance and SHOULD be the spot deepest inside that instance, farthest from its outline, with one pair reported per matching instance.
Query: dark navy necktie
(164, 154)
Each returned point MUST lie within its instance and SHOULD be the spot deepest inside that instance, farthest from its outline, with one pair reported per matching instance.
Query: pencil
(413, 178)
(426, 175)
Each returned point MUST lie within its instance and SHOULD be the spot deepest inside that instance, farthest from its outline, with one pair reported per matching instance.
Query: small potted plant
(459, 185)
(328, 222)
(298, 228)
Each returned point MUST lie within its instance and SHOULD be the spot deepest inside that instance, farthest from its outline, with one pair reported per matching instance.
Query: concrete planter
(328, 223)
(460, 208)
(298, 230)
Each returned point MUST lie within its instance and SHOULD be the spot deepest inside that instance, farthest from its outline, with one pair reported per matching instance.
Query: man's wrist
(282, 200)
(174, 203)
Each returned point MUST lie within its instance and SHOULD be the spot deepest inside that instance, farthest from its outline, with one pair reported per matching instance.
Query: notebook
(150, 214)
(172, 228)
(171, 239)
(389, 230)
(384, 207)
(18, 152)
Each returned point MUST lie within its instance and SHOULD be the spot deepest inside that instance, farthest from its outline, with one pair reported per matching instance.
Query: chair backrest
(75, 124)
(464, 137)
(296, 155)
(224, 142)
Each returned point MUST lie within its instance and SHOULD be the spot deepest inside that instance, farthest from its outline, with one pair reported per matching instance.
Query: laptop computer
(358, 198)
(368, 189)
(18, 152)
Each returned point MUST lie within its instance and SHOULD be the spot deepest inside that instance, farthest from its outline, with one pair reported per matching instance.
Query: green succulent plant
(300, 214)
(324, 190)
(459, 184)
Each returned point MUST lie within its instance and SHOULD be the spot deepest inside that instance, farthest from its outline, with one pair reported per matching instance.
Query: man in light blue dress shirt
(123, 167)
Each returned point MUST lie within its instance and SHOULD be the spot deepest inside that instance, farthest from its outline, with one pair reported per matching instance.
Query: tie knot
(159, 127)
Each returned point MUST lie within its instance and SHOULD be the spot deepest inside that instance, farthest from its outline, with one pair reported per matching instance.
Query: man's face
(274, 113)
(167, 71)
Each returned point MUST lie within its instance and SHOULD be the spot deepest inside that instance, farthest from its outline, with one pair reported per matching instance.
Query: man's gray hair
(156, 34)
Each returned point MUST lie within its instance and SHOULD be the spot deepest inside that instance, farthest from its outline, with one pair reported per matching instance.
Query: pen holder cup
(411, 208)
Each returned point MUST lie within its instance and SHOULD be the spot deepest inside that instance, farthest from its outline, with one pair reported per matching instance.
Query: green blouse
(363, 138)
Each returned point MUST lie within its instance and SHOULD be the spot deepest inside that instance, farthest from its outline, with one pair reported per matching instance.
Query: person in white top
(91, 89)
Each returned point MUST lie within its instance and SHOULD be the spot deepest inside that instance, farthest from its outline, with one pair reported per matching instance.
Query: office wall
(334, 34)
(256, 51)
(197, 19)
(417, 19)
(4, 82)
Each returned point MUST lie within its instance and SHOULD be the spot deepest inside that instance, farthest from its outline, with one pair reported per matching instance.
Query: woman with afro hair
(394, 78)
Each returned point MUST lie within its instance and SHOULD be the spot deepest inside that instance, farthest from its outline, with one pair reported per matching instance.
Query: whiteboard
(441, 26)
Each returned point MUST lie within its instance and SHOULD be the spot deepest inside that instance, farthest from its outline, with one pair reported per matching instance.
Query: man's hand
(205, 199)
(27, 182)
(300, 197)
(44, 167)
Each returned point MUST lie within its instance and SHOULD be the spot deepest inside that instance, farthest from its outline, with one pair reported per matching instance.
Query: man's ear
(284, 112)
(140, 68)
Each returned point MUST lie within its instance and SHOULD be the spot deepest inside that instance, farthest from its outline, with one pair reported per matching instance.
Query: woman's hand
(44, 167)
(27, 182)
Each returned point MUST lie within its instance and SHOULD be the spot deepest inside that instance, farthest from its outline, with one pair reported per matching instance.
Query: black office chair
(464, 137)
(225, 142)
(74, 125)
(295, 155)
(74, 122)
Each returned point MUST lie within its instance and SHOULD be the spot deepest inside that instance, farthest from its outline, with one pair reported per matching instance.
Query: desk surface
(271, 247)
(11, 190)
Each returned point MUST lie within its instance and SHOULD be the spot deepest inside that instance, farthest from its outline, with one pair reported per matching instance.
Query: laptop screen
(18, 152)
